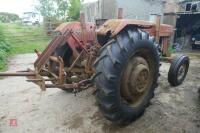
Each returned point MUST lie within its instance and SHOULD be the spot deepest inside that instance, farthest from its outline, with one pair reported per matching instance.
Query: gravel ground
(172, 110)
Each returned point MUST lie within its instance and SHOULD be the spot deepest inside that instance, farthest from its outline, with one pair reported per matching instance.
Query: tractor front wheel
(127, 70)
(178, 70)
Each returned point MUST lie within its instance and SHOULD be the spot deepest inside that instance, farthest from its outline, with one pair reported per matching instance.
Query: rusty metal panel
(71, 33)
(42, 59)
(17, 74)
(76, 28)
(165, 46)
(116, 25)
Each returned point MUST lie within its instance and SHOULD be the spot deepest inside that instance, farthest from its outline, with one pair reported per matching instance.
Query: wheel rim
(136, 80)
(181, 72)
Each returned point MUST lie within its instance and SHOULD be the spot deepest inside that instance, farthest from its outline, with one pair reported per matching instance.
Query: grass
(171, 50)
(23, 39)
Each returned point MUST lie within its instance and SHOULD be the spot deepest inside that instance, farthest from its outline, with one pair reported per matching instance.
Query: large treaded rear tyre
(112, 83)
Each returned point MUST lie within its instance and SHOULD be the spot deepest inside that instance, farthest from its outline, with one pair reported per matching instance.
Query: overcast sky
(19, 6)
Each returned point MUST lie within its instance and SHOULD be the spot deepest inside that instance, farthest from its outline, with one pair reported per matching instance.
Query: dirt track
(172, 110)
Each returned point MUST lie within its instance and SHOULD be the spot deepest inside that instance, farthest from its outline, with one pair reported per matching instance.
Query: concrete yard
(172, 110)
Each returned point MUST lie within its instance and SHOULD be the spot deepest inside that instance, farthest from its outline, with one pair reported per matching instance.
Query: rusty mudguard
(114, 26)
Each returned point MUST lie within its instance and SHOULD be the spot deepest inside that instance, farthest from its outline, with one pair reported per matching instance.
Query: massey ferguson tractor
(120, 59)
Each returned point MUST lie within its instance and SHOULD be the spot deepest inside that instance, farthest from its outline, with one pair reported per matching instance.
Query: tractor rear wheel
(127, 69)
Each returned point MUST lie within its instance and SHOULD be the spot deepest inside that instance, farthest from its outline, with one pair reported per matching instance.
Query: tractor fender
(113, 26)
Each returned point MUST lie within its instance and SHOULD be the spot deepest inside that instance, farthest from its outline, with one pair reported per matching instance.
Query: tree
(74, 9)
(56, 9)
(62, 7)
(46, 8)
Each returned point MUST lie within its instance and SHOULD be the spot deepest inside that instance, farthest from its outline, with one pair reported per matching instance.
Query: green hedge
(8, 17)
(4, 50)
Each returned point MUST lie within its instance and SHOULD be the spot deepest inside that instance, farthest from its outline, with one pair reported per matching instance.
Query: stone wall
(133, 9)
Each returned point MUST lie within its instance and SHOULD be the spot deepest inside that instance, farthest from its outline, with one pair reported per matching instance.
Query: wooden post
(158, 21)
(82, 19)
(83, 25)
(120, 13)
(155, 18)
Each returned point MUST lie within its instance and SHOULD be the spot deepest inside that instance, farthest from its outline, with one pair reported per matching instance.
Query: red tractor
(121, 59)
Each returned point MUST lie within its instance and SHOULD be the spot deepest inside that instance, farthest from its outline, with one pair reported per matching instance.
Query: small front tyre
(178, 70)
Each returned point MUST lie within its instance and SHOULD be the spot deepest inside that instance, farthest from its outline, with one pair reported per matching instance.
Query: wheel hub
(181, 72)
(135, 80)
(139, 79)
